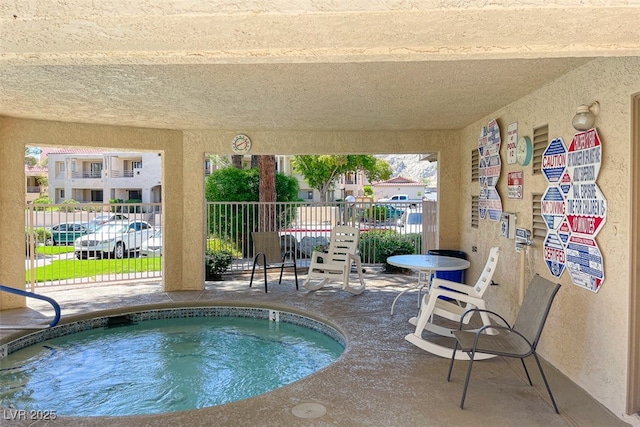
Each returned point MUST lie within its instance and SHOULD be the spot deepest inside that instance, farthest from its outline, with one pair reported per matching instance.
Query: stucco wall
(586, 336)
(183, 184)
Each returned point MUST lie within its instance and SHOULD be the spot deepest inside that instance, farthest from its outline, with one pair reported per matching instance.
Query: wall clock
(241, 144)
(524, 151)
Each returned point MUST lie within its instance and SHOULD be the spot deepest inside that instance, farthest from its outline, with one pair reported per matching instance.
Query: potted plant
(216, 263)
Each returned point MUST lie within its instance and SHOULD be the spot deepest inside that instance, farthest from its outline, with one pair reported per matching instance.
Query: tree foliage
(321, 171)
(233, 222)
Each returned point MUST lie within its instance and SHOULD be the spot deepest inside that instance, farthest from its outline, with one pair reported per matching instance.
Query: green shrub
(42, 203)
(69, 205)
(217, 261)
(378, 245)
(40, 236)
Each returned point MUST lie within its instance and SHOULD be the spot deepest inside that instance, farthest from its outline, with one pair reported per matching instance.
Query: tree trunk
(267, 193)
(236, 161)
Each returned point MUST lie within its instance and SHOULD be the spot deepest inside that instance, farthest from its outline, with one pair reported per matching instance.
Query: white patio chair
(335, 264)
(462, 298)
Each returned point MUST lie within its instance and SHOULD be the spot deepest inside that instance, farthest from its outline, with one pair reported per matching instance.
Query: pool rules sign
(572, 175)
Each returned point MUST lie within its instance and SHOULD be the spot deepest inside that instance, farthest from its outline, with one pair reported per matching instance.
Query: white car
(113, 240)
(152, 247)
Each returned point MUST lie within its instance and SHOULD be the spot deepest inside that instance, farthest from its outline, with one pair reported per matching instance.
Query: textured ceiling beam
(324, 37)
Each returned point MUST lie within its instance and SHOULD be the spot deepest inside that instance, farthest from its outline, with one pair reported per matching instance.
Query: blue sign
(584, 262)
(554, 161)
(553, 207)
(554, 254)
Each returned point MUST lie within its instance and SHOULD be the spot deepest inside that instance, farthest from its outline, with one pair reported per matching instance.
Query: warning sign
(514, 185)
(586, 208)
(553, 207)
(584, 156)
(554, 160)
(554, 255)
(584, 262)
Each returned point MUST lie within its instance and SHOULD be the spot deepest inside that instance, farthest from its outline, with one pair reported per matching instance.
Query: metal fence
(101, 255)
(384, 229)
(52, 258)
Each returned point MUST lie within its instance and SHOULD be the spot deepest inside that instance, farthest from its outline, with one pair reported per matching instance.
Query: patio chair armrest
(480, 310)
(455, 286)
(458, 296)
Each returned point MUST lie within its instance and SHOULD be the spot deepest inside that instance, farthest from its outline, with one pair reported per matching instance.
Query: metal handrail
(51, 301)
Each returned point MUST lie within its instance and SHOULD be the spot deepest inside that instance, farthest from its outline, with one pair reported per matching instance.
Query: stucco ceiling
(294, 65)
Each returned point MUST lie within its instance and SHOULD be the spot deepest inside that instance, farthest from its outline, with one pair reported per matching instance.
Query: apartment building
(94, 176)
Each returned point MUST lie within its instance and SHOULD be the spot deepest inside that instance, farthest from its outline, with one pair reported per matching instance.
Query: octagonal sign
(584, 156)
(553, 207)
(584, 262)
(554, 160)
(586, 209)
(554, 254)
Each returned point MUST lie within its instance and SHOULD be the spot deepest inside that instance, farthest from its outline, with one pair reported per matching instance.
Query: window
(62, 193)
(96, 196)
(136, 165)
(475, 161)
(475, 216)
(135, 195)
(540, 143)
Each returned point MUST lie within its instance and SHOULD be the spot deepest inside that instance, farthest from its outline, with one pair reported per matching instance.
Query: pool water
(159, 366)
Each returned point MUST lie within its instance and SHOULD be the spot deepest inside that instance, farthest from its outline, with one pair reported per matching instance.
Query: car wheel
(50, 242)
(118, 251)
(80, 255)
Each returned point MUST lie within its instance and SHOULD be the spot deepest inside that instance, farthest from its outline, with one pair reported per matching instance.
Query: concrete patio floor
(380, 380)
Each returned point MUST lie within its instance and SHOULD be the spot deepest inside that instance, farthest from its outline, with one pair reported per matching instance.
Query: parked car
(386, 213)
(411, 222)
(113, 240)
(152, 247)
(104, 218)
(66, 233)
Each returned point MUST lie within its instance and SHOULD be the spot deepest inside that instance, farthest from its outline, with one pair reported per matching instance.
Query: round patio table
(426, 266)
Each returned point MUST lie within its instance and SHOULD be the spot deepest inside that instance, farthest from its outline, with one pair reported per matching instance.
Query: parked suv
(113, 240)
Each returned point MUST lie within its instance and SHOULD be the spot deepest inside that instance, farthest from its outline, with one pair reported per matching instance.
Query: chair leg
(546, 384)
(466, 379)
(295, 273)
(453, 356)
(253, 270)
(526, 371)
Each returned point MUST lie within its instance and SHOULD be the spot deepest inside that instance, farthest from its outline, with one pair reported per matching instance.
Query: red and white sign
(514, 185)
(586, 208)
(584, 156)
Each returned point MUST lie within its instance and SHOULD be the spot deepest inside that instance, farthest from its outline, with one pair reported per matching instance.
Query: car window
(414, 218)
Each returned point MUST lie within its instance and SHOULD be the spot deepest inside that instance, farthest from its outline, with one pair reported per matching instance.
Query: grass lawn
(54, 250)
(74, 268)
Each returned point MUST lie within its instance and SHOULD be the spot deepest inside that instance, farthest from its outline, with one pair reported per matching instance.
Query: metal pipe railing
(56, 306)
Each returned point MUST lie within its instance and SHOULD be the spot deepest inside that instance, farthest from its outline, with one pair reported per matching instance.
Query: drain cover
(309, 410)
